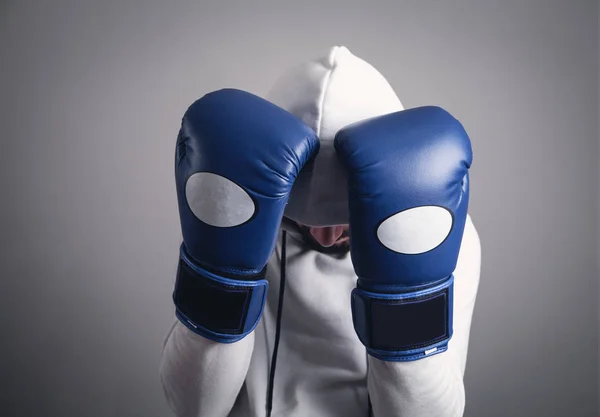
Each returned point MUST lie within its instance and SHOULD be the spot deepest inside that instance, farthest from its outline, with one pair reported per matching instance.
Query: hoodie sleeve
(433, 387)
(200, 377)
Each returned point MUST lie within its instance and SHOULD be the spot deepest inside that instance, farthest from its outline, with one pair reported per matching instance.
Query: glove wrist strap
(222, 309)
(404, 326)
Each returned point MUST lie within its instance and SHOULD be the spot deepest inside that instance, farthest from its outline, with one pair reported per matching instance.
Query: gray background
(91, 96)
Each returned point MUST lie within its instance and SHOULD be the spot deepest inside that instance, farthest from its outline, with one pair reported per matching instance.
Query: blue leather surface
(389, 170)
(413, 158)
(261, 148)
(255, 144)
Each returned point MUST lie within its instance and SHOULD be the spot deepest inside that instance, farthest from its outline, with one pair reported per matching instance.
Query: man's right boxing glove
(408, 195)
(236, 160)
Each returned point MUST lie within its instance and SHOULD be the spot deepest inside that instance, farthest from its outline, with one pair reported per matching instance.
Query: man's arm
(236, 159)
(433, 386)
(201, 377)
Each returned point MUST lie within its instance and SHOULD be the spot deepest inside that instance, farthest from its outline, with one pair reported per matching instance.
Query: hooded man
(328, 266)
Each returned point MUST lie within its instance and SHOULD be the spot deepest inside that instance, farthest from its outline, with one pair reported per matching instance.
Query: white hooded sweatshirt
(304, 358)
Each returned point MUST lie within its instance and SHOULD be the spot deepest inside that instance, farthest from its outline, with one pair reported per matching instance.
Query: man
(354, 237)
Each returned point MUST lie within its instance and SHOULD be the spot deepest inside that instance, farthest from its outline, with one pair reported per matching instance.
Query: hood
(329, 92)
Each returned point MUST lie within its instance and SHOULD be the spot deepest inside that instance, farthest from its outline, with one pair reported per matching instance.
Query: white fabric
(322, 368)
(328, 93)
(202, 378)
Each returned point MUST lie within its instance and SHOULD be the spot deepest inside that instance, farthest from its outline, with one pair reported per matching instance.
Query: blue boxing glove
(408, 195)
(236, 160)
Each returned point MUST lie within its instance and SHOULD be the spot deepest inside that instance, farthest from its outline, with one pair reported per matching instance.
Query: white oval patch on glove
(218, 201)
(416, 230)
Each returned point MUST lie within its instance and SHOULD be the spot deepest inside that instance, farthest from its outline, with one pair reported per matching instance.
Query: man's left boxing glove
(236, 160)
(408, 191)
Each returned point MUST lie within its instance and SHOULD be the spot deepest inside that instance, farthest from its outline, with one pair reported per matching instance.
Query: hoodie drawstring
(269, 404)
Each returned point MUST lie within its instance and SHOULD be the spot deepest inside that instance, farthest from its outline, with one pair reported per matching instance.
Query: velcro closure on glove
(219, 308)
(404, 326)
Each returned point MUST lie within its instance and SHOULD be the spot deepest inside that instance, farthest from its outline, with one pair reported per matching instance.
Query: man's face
(327, 239)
